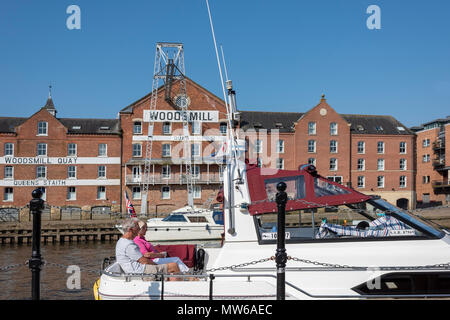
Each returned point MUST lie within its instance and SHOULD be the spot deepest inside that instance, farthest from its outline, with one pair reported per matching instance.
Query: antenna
(224, 64)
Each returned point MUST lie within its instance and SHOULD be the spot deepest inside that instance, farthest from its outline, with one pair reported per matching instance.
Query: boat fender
(199, 262)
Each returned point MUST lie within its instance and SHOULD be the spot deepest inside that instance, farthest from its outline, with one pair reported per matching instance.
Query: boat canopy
(305, 189)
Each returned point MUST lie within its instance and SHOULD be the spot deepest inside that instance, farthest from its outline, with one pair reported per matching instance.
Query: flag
(130, 208)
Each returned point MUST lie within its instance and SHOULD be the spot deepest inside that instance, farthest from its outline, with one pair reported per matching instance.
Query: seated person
(131, 259)
(149, 251)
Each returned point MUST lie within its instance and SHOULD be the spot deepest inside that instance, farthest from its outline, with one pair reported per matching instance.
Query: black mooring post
(280, 256)
(35, 263)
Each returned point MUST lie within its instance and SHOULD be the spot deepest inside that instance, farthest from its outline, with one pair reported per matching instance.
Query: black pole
(36, 206)
(280, 256)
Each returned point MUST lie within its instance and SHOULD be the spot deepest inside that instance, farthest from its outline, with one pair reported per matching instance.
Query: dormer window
(42, 128)
(379, 128)
(359, 127)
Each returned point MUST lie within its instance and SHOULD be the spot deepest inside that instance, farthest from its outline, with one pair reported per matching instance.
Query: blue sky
(281, 55)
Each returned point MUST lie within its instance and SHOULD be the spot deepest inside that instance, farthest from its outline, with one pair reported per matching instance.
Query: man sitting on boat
(129, 257)
(149, 251)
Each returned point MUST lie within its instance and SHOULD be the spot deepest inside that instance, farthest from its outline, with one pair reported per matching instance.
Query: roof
(360, 124)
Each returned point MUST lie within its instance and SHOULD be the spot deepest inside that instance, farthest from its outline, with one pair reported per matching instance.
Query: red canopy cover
(305, 188)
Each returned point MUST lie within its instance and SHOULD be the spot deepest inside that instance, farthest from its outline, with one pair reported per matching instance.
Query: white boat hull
(183, 232)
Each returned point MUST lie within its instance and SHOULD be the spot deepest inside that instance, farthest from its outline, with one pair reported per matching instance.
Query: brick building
(75, 162)
(433, 162)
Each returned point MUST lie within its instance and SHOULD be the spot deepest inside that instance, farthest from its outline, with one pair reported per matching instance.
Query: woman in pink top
(149, 251)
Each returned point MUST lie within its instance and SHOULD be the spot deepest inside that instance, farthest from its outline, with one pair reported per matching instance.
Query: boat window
(199, 219)
(295, 187)
(175, 218)
(357, 222)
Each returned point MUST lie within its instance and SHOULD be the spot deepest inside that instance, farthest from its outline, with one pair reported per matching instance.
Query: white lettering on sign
(181, 138)
(402, 232)
(56, 183)
(180, 116)
(60, 160)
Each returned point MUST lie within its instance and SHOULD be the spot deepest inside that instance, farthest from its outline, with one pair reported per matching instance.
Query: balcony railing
(438, 145)
(440, 184)
(439, 163)
(203, 178)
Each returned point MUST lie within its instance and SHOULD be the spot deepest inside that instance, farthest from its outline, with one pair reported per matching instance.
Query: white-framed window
(426, 158)
(221, 169)
(166, 150)
(196, 127)
(41, 172)
(137, 150)
(101, 193)
(402, 147)
(223, 128)
(402, 164)
(71, 172)
(380, 164)
(195, 150)
(333, 128)
(101, 172)
(280, 163)
(9, 149)
(165, 192)
(9, 172)
(72, 150)
(259, 162)
(258, 146)
(167, 128)
(361, 182)
(337, 179)
(312, 146)
(333, 164)
(425, 143)
(44, 193)
(8, 194)
(380, 147)
(311, 128)
(333, 146)
(102, 150)
(380, 181)
(41, 149)
(137, 127)
(280, 146)
(425, 179)
(165, 171)
(197, 192)
(71, 193)
(402, 183)
(312, 161)
(361, 147)
(42, 128)
(195, 171)
(361, 165)
(136, 193)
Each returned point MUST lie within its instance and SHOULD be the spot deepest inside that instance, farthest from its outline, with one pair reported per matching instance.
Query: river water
(15, 283)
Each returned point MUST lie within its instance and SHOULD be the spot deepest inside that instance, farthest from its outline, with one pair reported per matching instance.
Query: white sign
(180, 138)
(273, 236)
(59, 183)
(402, 232)
(179, 116)
(60, 160)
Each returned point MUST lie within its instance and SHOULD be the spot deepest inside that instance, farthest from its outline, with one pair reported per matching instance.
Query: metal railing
(203, 178)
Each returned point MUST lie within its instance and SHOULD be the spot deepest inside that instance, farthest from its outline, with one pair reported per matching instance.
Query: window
(71, 193)
(41, 149)
(165, 171)
(9, 149)
(333, 129)
(426, 158)
(259, 163)
(137, 127)
(137, 150)
(361, 165)
(380, 147)
(44, 193)
(402, 164)
(42, 128)
(380, 164)
(337, 179)
(361, 147)
(71, 172)
(197, 192)
(196, 127)
(221, 168)
(280, 164)
(425, 179)
(72, 150)
(333, 146)
(311, 128)
(380, 181)
(196, 171)
(102, 150)
(280, 146)
(311, 145)
(425, 143)
(101, 193)
(41, 172)
(258, 146)
(165, 192)
(167, 128)
(101, 172)
(223, 128)
(402, 182)
(136, 193)
(9, 172)
(361, 182)
(402, 147)
(195, 150)
(8, 195)
(166, 150)
(312, 161)
(333, 164)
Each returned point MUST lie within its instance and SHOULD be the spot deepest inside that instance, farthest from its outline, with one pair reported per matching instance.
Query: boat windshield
(175, 218)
